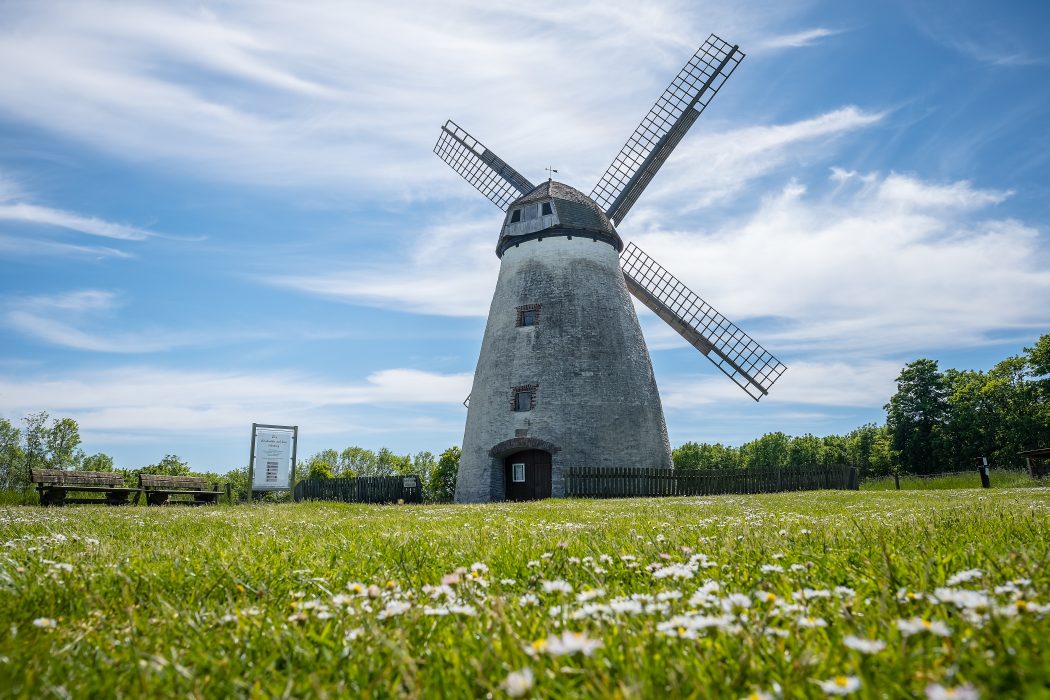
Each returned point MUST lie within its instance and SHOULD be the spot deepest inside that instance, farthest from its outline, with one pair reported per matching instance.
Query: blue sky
(219, 213)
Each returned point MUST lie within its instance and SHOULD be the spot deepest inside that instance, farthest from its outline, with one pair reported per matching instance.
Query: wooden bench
(159, 487)
(55, 484)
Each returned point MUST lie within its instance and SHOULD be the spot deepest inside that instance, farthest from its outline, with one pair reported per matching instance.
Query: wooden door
(527, 475)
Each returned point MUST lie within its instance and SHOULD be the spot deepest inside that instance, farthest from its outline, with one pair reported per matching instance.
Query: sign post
(272, 463)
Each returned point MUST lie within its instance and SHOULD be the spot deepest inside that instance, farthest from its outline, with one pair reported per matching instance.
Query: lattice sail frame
(664, 126)
(479, 166)
(732, 350)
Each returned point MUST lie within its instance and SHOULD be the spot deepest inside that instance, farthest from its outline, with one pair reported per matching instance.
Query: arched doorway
(527, 475)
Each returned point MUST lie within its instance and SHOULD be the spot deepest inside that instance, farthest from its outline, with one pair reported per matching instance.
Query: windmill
(564, 376)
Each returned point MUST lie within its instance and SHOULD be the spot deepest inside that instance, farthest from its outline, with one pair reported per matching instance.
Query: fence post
(854, 478)
(982, 467)
(897, 478)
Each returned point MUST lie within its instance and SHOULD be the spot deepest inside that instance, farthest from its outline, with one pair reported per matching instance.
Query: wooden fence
(628, 482)
(362, 489)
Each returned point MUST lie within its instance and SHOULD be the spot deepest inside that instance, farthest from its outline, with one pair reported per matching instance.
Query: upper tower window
(547, 209)
(527, 315)
(532, 211)
(515, 216)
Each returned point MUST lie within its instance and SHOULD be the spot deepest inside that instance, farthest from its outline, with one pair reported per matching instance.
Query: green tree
(239, 487)
(1038, 357)
(356, 461)
(442, 485)
(834, 450)
(693, 456)
(62, 441)
(319, 468)
(423, 465)
(916, 416)
(770, 450)
(388, 463)
(323, 465)
(806, 451)
(12, 459)
(869, 448)
(171, 465)
(98, 462)
(35, 441)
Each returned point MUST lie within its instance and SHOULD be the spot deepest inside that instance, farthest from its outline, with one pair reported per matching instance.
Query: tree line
(438, 475)
(936, 421)
(44, 442)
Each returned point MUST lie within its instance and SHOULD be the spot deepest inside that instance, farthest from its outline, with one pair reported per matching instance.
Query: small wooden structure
(160, 487)
(54, 486)
(1038, 462)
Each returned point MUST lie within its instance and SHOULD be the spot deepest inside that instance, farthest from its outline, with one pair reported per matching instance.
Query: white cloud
(449, 271)
(130, 400)
(880, 264)
(837, 383)
(78, 320)
(46, 216)
(806, 37)
(330, 93)
(15, 246)
(710, 167)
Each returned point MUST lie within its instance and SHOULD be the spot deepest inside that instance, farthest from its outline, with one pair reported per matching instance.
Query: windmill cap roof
(552, 189)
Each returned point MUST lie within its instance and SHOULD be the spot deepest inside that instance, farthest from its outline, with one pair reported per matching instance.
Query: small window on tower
(519, 473)
(532, 211)
(515, 216)
(528, 315)
(547, 209)
(524, 398)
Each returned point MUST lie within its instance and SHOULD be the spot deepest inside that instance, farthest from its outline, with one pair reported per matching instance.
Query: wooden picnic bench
(159, 487)
(55, 484)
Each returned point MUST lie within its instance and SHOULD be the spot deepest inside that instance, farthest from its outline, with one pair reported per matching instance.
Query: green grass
(999, 479)
(261, 601)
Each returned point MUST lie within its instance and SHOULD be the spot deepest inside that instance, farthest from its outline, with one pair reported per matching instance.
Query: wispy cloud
(829, 383)
(46, 216)
(806, 37)
(880, 264)
(138, 399)
(59, 319)
(449, 271)
(731, 159)
(277, 94)
(15, 246)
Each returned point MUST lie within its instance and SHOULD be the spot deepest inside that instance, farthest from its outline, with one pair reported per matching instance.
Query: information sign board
(273, 456)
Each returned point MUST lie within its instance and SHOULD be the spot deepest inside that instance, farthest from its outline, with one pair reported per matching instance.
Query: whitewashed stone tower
(562, 335)
(564, 377)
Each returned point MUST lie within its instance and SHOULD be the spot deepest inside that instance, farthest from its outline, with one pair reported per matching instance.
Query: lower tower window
(523, 398)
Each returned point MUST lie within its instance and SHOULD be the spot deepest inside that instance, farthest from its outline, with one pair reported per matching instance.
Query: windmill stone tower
(564, 377)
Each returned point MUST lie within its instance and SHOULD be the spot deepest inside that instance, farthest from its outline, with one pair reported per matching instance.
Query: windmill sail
(731, 350)
(479, 166)
(664, 126)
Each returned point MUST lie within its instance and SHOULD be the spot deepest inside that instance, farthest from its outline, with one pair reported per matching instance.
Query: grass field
(870, 594)
(999, 479)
